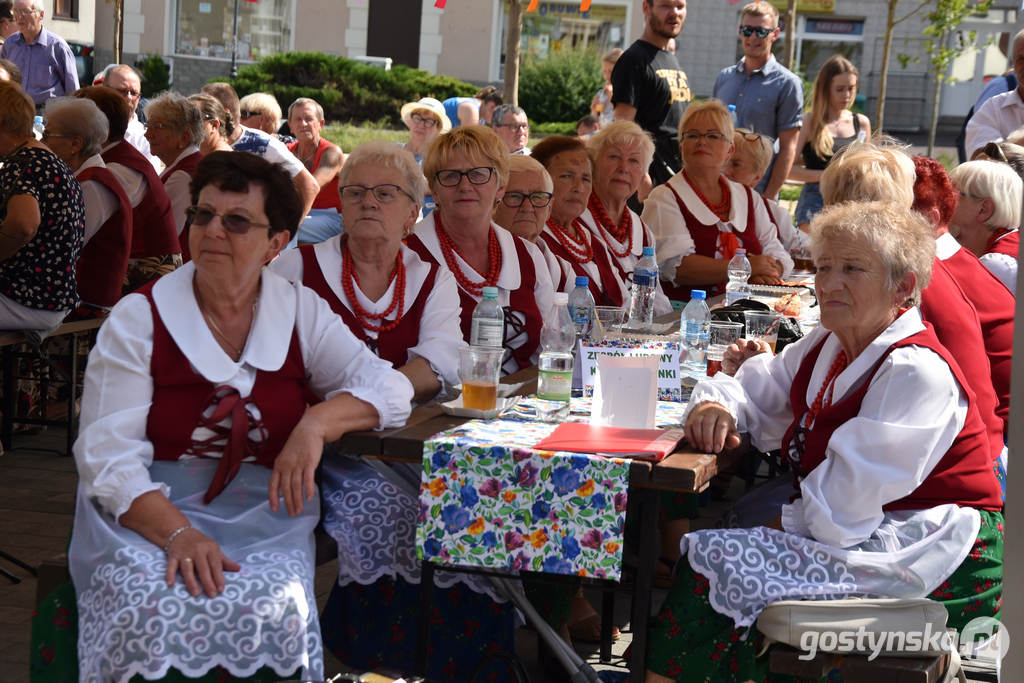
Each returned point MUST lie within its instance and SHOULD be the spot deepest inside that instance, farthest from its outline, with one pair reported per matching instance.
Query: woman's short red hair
(933, 189)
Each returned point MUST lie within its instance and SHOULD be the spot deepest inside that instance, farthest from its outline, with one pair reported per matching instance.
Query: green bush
(156, 75)
(560, 87)
(348, 90)
(553, 128)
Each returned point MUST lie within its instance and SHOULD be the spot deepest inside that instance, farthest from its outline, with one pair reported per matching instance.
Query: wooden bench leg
(10, 400)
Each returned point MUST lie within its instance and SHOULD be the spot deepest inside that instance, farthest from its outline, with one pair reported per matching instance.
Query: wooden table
(686, 470)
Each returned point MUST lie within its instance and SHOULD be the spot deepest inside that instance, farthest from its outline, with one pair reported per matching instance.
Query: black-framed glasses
(246, 113)
(428, 121)
(514, 126)
(385, 194)
(232, 222)
(710, 136)
(451, 177)
(761, 32)
(514, 200)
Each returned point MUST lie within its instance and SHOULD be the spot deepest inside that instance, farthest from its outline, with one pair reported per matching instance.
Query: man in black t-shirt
(649, 87)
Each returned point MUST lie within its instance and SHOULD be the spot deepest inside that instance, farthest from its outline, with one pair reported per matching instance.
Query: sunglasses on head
(246, 113)
(232, 222)
(747, 31)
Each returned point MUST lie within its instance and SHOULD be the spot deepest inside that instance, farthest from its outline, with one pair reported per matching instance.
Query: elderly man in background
(769, 97)
(323, 159)
(126, 80)
(257, 142)
(47, 64)
(1002, 114)
(7, 25)
(512, 126)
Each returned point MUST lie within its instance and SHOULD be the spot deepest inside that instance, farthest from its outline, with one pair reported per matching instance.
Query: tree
(890, 23)
(515, 34)
(118, 28)
(790, 44)
(943, 22)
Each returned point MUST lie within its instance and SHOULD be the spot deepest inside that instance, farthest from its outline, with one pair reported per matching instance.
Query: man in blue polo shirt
(47, 64)
(769, 97)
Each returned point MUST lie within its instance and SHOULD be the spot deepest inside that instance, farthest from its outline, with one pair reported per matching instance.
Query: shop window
(204, 28)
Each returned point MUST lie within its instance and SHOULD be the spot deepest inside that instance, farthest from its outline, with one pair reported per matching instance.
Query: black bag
(789, 328)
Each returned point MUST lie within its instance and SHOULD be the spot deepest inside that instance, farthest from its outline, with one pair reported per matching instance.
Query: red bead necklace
(820, 401)
(621, 233)
(349, 279)
(721, 210)
(449, 249)
(580, 250)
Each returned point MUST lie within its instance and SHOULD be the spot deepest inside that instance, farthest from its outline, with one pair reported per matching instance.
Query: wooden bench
(11, 343)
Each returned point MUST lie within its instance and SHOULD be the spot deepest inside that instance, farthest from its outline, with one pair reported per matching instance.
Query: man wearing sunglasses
(768, 97)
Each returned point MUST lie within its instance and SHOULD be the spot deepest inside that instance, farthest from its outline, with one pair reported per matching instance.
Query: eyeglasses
(994, 152)
(514, 126)
(24, 12)
(477, 176)
(710, 136)
(751, 137)
(514, 200)
(246, 113)
(428, 121)
(48, 134)
(158, 125)
(747, 31)
(128, 92)
(232, 222)
(385, 194)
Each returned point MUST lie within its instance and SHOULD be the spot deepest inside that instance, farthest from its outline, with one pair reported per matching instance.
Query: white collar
(94, 161)
(328, 257)
(187, 152)
(590, 221)
(945, 246)
(269, 339)
(737, 210)
(509, 277)
(1011, 100)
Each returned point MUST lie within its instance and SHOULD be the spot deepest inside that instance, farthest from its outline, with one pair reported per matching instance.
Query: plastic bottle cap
(698, 294)
(490, 292)
(37, 119)
(648, 251)
(741, 251)
(582, 281)
(560, 299)
(732, 107)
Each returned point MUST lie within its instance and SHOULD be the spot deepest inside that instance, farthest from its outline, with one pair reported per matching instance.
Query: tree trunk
(883, 77)
(790, 35)
(118, 30)
(936, 95)
(515, 33)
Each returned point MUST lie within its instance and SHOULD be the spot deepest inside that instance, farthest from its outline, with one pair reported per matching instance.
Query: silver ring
(186, 559)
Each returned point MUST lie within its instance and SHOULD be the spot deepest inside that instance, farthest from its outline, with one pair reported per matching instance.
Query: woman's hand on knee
(199, 560)
(710, 428)
(295, 467)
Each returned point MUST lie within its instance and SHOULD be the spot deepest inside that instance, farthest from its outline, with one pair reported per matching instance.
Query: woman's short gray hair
(310, 101)
(984, 179)
(387, 155)
(179, 111)
(867, 172)
(901, 237)
(81, 117)
(522, 163)
(621, 133)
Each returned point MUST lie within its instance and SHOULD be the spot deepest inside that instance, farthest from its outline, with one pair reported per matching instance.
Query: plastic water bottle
(696, 324)
(488, 326)
(734, 117)
(581, 307)
(38, 126)
(739, 273)
(555, 366)
(645, 284)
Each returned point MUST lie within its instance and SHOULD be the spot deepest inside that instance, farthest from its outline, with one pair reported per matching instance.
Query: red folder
(581, 437)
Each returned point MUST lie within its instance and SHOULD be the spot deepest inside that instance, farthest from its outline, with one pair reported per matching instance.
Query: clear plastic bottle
(488, 326)
(696, 322)
(739, 274)
(555, 366)
(645, 285)
(581, 307)
(38, 126)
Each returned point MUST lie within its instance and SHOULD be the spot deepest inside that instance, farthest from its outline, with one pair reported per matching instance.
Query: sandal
(588, 630)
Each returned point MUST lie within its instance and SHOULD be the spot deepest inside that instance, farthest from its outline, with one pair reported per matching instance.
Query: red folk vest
(957, 328)
(188, 165)
(104, 259)
(181, 395)
(607, 292)
(154, 232)
(771, 217)
(392, 345)
(328, 197)
(963, 475)
(1009, 245)
(520, 300)
(995, 306)
(705, 242)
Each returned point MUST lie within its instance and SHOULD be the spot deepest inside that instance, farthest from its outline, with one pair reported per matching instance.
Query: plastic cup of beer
(720, 335)
(479, 369)
(763, 326)
(802, 260)
(611, 317)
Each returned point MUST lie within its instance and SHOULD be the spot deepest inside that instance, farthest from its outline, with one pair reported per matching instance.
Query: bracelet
(174, 535)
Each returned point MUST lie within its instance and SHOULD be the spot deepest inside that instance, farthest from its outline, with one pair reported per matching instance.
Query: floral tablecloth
(487, 499)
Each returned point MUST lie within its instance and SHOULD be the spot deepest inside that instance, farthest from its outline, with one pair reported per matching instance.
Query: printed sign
(669, 388)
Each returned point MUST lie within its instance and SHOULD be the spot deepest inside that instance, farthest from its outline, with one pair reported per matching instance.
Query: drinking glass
(479, 369)
(763, 326)
(721, 334)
